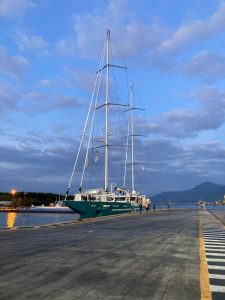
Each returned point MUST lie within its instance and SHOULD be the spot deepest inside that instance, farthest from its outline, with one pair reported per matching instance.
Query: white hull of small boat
(50, 209)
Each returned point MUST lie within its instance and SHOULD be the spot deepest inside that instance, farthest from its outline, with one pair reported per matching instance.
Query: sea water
(14, 219)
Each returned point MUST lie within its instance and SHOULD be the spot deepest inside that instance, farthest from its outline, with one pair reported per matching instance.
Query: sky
(49, 54)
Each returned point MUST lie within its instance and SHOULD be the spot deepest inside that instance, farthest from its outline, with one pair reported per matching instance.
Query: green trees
(26, 199)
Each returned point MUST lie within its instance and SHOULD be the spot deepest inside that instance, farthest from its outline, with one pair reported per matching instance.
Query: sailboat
(97, 202)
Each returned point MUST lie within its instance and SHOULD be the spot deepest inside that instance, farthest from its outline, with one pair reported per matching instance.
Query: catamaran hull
(93, 209)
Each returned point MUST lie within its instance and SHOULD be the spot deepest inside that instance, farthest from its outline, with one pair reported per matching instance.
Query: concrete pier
(147, 256)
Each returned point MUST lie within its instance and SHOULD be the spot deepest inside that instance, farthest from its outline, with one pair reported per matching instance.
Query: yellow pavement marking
(204, 274)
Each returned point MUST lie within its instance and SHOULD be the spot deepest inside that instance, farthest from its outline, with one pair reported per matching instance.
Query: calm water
(13, 219)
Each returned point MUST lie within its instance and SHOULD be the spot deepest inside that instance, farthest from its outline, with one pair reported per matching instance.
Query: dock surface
(147, 256)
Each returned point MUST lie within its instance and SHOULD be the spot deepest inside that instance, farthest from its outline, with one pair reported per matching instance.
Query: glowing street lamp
(13, 192)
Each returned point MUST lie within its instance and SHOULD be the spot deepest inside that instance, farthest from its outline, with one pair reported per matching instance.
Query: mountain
(206, 191)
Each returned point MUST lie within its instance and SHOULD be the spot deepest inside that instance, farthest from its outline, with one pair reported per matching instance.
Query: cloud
(209, 114)
(46, 82)
(13, 65)
(206, 65)
(150, 43)
(29, 175)
(66, 46)
(72, 77)
(41, 102)
(208, 95)
(175, 166)
(186, 122)
(80, 78)
(8, 97)
(11, 8)
(167, 164)
(68, 101)
(60, 128)
(132, 35)
(195, 31)
(30, 42)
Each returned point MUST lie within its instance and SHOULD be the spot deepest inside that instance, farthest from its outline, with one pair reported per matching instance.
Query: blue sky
(49, 52)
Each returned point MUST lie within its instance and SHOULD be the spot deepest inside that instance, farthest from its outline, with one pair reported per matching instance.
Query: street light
(13, 192)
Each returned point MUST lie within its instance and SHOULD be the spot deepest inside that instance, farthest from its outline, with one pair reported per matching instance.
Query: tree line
(26, 199)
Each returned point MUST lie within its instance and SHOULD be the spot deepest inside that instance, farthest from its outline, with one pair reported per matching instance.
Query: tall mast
(132, 134)
(107, 109)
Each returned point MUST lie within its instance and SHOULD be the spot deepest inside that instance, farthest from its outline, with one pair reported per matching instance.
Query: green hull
(93, 209)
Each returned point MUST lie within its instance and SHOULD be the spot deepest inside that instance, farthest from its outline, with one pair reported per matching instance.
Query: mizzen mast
(132, 135)
(107, 110)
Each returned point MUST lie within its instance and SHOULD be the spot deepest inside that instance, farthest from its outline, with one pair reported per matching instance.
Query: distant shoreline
(28, 210)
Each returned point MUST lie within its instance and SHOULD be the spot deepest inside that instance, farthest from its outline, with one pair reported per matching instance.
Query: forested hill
(206, 191)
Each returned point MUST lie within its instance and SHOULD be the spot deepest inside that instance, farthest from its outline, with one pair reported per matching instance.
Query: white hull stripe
(122, 209)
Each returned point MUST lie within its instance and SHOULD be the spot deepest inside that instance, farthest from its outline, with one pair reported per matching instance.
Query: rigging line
(91, 130)
(85, 126)
(123, 61)
(123, 179)
(121, 57)
(118, 92)
(113, 74)
(127, 88)
(117, 86)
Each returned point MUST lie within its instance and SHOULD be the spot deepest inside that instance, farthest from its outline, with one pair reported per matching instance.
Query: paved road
(153, 256)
